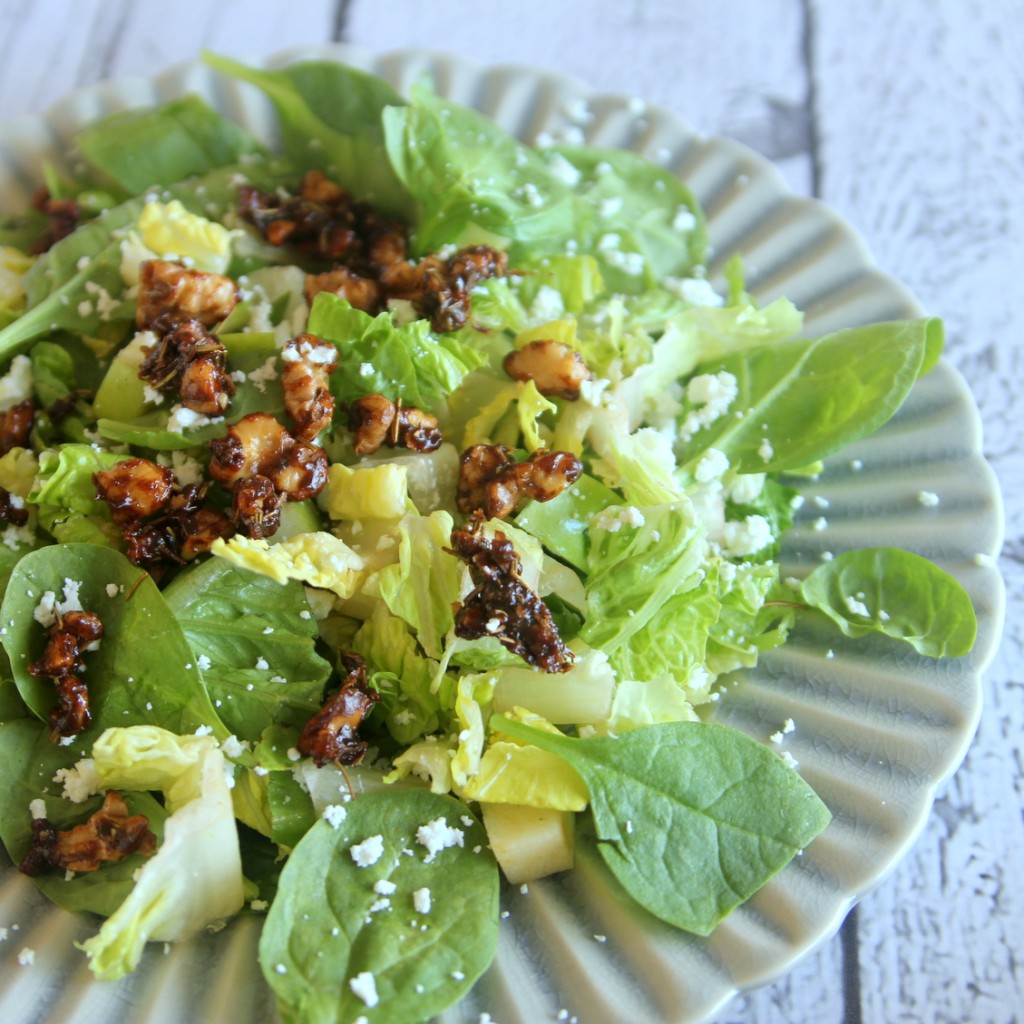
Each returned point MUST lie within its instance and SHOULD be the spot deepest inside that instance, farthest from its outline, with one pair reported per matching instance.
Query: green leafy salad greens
(652, 570)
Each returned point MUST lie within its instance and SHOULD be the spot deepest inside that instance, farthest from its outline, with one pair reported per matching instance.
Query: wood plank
(920, 146)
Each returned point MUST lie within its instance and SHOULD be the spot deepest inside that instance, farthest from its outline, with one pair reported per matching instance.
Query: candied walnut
(361, 292)
(170, 292)
(501, 605)
(161, 521)
(12, 508)
(63, 663)
(556, 369)
(16, 426)
(256, 506)
(109, 835)
(331, 735)
(258, 445)
(62, 216)
(134, 489)
(323, 222)
(189, 361)
(377, 421)
(439, 288)
(62, 408)
(305, 380)
(490, 478)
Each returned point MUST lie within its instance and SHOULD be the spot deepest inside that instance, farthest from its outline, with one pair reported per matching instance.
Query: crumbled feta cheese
(712, 466)
(819, 524)
(684, 220)
(27, 957)
(37, 808)
(789, 759)
(184, 419)
(16, 384)
(696, 291)
(80, 782)
(262, 664)
(613, 518)
(384, 887)
(438, 835)
(765, 450)
(928, 498)
(364, 985)
(712, 394)
(368, 852)
(258, 905)
(747, 537)
(421, 900)
(234, 747)
(562, 169)
(46, 611)
(204, 663)
(334, 815)
(857, 607)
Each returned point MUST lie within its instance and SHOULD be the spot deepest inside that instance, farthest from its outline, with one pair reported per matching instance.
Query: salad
(381, 516)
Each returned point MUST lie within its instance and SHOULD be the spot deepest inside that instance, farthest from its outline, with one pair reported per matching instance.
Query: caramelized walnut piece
(308, 364)
(361, 292)
(556, 369)
(324, 223)
(109, 835)
(491, 480)
(439, 287)
(16, 426)
(259, 445)
(62, 217)
(377, 421)
(190, 362)
(501, 605)
(134, 489)
(170, 292)
(12, 508)
(256, 507)
(162, 522)
(63, 663)
(331, 735)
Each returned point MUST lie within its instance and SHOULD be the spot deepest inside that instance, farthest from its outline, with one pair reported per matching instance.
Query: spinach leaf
(900, 594)
(28, 762)
(807, 399)
(329, 927)
(144, 670)
(169, 142)
(467, 172)
(679, 811)
(256, 649)
(330, 118)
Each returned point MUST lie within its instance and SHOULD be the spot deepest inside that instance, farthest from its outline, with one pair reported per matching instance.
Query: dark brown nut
(331, 735)
(492, 481)
(305, 381)
(62, 663)
(189, 361)
(134, 489)
(62, 215)
(10, 510)
(250, 446)
(361, 292)
(324, 223)
(302, 473)
(377, 421)
(109, 835)
(556, 369)
(16, 426)
(258, 445)
(256, 507)
(439, 288)
(501, 605)
(169, 292)
(198, 530)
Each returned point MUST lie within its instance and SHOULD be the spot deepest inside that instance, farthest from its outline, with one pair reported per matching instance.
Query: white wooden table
(907, 116)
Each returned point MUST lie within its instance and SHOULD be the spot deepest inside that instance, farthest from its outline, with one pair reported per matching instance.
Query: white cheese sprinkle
(27, 957)
(368, 852)
(334, 815)
(421, 900)
(438, 835)
(364, 985)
